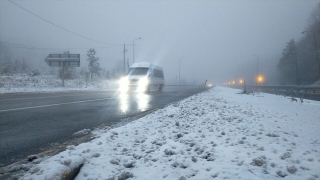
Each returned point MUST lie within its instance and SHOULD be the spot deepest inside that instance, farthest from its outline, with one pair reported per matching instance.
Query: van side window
(157, 73)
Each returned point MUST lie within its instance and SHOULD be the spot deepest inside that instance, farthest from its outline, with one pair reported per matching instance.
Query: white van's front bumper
(139, 85)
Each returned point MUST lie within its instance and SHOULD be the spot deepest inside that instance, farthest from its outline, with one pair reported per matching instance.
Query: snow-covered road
(216, 134)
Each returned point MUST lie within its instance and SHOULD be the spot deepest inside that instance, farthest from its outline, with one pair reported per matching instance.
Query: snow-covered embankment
(216, 134)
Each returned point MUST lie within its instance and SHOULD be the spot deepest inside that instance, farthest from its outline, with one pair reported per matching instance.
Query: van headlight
(143, 81)
(124, 84)
(143, 84)
(124, 81)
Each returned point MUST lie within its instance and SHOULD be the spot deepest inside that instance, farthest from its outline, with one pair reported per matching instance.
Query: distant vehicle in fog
(141, 77)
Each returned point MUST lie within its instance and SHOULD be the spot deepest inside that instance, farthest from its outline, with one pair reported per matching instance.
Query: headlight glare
(124, 81)
(143, 81)
(143, 84)
(124, 84)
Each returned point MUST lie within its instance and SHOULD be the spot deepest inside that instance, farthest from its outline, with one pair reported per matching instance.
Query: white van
(141, 77)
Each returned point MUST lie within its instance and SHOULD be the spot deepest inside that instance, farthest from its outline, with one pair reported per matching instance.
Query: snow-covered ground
(50, 83)
(216, 134)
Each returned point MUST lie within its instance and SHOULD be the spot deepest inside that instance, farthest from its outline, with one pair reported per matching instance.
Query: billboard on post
(63, 60)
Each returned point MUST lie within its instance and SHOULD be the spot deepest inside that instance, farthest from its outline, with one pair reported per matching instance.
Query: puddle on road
(134, 101)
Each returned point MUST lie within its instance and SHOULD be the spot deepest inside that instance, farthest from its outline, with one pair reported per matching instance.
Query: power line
(86, 47)
(13, 45)
(42, 49)
(9, 44)
(59, 26)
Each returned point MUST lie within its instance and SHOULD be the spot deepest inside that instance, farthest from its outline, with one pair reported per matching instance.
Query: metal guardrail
(187, 86)
(305, 92)
(302, 89)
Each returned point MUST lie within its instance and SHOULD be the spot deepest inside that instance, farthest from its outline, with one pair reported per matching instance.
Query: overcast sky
(215, 38)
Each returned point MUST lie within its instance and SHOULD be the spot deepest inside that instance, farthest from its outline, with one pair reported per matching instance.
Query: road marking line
(182, 91)
(41, 97)
(34, 98)
(33, 107)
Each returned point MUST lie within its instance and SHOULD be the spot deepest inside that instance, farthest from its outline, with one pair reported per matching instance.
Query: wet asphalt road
(31, 122)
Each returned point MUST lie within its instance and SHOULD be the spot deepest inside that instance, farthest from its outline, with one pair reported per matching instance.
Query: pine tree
(16, 66)
(24, 67)
(288, 64)
(94, 66)
(308, 61)
(6, 66)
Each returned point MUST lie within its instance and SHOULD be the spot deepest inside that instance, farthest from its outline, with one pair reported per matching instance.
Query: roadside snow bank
(217, 134)
(49, 83)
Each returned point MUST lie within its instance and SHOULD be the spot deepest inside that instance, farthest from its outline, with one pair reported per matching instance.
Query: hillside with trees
(300, 61)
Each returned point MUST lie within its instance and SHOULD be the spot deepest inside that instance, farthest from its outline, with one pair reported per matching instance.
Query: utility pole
(63, 74)
(128, 64)
(124, 59)
(133, 52)
(133, 47)
(297, 76)
(179, 71)
(257, 71)
(194, 80)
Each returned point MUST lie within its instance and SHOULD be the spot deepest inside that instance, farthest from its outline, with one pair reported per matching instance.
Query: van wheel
(160, 87)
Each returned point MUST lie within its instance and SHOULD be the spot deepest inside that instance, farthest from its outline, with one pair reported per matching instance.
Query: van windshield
(138, 71)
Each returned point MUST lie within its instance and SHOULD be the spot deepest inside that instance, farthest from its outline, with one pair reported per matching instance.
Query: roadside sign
(87, 78)
(63, 60)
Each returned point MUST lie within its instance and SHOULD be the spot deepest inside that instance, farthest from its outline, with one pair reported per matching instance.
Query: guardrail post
(62, 74)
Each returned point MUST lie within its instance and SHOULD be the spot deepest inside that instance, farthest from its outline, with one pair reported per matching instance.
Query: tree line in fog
(299, 63)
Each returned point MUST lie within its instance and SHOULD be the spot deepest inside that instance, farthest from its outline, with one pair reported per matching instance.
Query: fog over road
(31, 122)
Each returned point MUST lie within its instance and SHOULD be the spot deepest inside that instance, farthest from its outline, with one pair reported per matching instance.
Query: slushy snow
(218, 134)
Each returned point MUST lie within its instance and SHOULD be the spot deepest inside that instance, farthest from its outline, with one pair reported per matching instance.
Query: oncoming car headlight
(124, 84)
